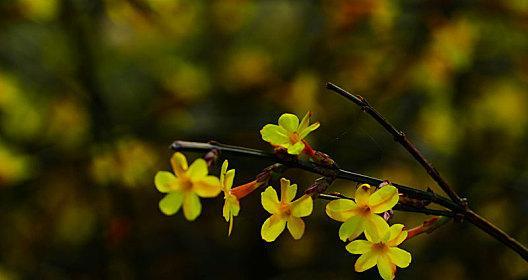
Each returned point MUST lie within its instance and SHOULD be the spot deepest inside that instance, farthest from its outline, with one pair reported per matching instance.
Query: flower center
(380, 247)
(186, 184)
(285, 210)
(294, 138)
(364, 211)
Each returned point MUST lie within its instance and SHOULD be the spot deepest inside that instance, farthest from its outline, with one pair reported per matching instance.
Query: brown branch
(497, 233)
(327, 171)
(466, 213)
(401, 138)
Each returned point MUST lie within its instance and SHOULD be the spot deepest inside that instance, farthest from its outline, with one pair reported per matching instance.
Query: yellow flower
(360, 216)
(231, 204)
(381, 251)
(190, 183)
(289, 134)
(284, 212)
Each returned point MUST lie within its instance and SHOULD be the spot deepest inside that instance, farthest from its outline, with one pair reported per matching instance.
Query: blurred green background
(92, 92)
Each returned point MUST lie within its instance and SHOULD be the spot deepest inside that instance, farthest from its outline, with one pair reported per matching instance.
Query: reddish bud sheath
(243, 190)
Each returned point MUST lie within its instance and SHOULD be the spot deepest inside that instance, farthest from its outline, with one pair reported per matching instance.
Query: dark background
(93, 92)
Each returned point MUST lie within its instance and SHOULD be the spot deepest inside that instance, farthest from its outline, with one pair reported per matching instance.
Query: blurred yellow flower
(231, 204)
(381, 250)
(289, 134)
(190, 183)
(360, 216)
(284, 212)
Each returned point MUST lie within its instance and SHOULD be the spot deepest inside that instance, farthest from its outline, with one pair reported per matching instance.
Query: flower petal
(290, 122)
(208, 186)
(308, 130)
(383, 199)
(385, 268)
(226, 210)
(179, 163)
(359, 246)
(198, 169)
(376, 228)
(302, 207)
(363, 193)
(352, 228)
(270, 231)
(230, 229)
(305, 121)
(287, 191)
(397, 235)
(274, 134)
(270, 201)
(191, 206)
(223, 171)
(365, 261)
(234, 205)
(341, 209)
(296, 148)
(296, 227)
(399, 257)
(171, 203)
(228, 179)
(166, 181)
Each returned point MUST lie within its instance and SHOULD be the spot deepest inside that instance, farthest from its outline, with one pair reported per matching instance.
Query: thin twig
(466, 213)
(330, 171)
(497, 233)
(401, 138)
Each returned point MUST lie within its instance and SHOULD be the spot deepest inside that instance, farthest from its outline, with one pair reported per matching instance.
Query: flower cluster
(359, 216)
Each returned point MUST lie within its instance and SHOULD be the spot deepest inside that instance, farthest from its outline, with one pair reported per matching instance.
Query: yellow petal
(287, 191)
(385, 268)
(166, 181)
(352, 228)
(376, 228)
(226, 211)
(341, 209)
(179, 164)
(359, 246)
(308, 130)
(171, 203)
(274, 134)
(230, 226)
(383, 199)
(362, 195)
(296, 148)
(191, 206)
(235, 206)
(208, 186)
(270, 231)
(305, 121)
(198, 169)
(228, 179)
(365, 261)
(397, 235)
(302, 207)
(270, 201)
(223, 171)
(289, 122)
(296, 227)
(399, 257)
